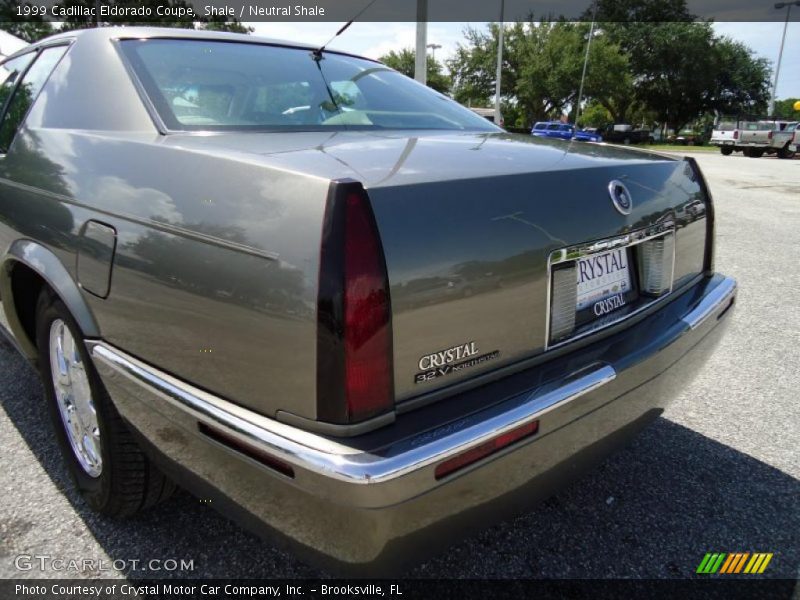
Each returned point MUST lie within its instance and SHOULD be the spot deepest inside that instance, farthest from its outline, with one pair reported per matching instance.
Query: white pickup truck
(726, 136)
(757, 138)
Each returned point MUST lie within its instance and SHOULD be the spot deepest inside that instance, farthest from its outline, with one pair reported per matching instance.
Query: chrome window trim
(573, 253)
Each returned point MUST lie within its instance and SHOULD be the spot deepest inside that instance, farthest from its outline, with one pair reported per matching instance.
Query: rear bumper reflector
(480, 452)
(250, 450)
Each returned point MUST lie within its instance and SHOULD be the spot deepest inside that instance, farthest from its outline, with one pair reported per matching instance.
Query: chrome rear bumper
(361, 507)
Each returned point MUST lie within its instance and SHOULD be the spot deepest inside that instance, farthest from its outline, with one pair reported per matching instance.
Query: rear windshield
(759, 126)
(221, 86)
(727, 126)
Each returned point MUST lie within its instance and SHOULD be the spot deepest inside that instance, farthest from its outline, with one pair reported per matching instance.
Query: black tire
(785, 152)
(726, 151)
(756, 153)
(128, 482)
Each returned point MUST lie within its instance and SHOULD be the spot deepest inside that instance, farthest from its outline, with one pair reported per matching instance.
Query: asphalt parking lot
(720, 471)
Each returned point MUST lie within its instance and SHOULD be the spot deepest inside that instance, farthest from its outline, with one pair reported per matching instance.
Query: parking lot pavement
(719, 472)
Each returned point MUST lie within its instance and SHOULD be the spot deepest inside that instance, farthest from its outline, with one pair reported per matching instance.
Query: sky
(376, 39)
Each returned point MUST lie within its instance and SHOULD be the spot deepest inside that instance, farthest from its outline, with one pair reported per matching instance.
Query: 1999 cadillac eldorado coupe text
(343, 307)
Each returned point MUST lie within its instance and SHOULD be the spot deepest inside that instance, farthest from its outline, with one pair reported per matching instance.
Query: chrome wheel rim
(74, 399)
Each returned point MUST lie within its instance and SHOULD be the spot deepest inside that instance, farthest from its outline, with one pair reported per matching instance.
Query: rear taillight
(769, 135)
(354, 333)
(736, 134)
(696, 175)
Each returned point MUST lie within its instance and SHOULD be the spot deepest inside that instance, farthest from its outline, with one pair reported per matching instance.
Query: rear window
(214, 85)
(759, 126)
(26, 92)
(553, 127)
(540, 126)
(726, 126)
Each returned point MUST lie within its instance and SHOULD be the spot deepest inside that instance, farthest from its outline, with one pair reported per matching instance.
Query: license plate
(603, 280)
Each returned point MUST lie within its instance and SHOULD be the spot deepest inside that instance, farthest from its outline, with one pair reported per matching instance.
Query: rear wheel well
(26, 285)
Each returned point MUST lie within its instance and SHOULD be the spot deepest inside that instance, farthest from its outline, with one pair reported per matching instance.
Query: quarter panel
(216, 265)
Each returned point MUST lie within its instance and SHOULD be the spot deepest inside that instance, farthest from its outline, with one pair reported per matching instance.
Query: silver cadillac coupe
(349, 311)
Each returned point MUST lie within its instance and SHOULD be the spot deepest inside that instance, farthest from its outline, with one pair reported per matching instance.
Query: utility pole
(778, 6)
(585, 63)
(498, 117)
(420, 56)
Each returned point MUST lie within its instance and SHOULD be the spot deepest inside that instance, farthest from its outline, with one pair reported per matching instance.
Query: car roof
(115, 33)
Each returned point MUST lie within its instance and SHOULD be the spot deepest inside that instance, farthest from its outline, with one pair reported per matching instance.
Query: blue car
(563, 131)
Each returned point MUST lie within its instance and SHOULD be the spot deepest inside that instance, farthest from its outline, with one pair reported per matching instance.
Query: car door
(553, 130)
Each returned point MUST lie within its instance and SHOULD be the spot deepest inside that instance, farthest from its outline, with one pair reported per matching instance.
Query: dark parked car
(348, 311)
(626, 134)
(564, 131)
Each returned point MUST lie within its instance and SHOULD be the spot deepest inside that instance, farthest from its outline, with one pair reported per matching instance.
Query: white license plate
(601, 276)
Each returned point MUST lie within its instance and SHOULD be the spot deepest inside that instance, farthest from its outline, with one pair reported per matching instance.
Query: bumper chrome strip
(710, 303)
(333, 461)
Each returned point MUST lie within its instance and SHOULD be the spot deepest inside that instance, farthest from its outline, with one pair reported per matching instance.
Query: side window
(32, 83)
(9, 73)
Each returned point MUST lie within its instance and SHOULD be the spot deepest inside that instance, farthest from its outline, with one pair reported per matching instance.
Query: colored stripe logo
(732, 563)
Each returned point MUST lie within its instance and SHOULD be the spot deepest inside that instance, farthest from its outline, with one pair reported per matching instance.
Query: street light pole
(778, 6)
(420, 58)
(585, 63)
(498, 118)
(434, 48)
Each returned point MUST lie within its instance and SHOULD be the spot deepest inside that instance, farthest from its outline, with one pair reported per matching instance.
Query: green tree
(630, 13)
(679, 67)
(541, 71)
(740, 81)
(404, 60)
(594, 115)
(220, 24)
(784, 109)
(472, 68)
(31, 28)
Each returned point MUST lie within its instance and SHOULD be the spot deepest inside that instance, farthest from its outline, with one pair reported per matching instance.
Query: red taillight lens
(477, 453)
(367, 336)
(769, 135)
(354, 333)
(736, 134)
